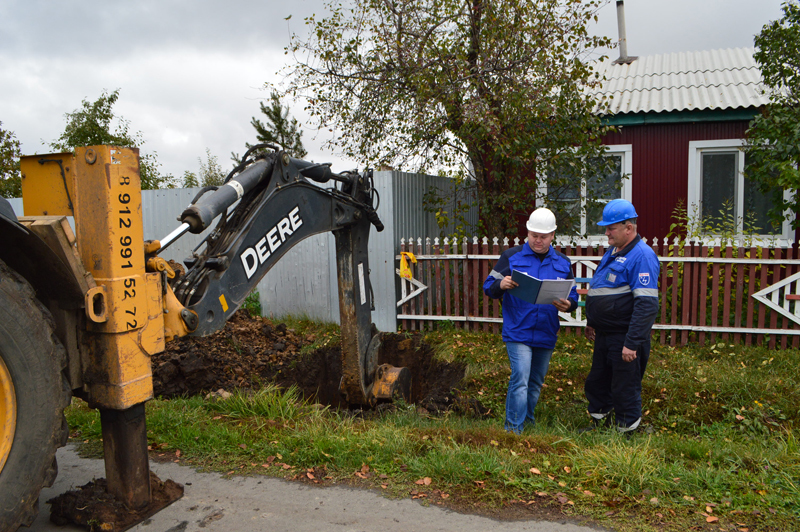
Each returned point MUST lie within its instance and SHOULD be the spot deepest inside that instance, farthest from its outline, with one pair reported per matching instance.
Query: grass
(721, 452)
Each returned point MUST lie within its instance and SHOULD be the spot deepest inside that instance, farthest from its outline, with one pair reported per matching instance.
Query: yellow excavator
(82, 312)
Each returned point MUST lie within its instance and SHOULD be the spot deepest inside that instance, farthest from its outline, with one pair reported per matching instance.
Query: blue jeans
(528, 369)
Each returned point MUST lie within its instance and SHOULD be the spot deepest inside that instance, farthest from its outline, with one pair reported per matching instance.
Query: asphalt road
(212, 503)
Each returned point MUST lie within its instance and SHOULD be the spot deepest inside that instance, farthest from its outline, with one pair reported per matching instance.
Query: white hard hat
(542, 220)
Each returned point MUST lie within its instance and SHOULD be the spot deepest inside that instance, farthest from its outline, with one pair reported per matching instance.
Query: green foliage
(10, 177)
(496, 90)
(189, 180)
(91, 124)
(773, 139)
(211, 173)
(723, 227)
(252, 303)
(269, 402)
(279, 128)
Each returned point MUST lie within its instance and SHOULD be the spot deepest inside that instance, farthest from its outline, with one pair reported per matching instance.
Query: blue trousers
(613, 384)
(528, 369)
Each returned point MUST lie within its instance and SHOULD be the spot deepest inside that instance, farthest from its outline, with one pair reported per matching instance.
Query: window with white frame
(719, 194)
(610, 180)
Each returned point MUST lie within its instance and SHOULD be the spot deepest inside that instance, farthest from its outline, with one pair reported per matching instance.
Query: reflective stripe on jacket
(623, 293)
(523, 322)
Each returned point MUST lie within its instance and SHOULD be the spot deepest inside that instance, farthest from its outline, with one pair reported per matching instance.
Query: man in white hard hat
(529, 330)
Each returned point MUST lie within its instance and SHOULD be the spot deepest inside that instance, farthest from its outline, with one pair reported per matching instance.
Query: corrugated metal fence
(748, 295)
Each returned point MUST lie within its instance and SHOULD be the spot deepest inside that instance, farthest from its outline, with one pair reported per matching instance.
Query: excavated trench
(251, 351)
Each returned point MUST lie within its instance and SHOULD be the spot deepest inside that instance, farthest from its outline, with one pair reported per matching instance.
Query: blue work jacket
(523, 322)
(623, 293)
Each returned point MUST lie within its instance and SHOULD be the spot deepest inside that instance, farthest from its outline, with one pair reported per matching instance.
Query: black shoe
(604, 422)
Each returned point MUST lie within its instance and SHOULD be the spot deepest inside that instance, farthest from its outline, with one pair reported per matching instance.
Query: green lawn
(720, 449)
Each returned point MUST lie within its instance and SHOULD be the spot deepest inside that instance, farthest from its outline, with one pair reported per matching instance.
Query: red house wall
(660, 165)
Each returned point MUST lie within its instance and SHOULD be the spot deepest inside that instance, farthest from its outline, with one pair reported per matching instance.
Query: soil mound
(251, 351)
(93, 507)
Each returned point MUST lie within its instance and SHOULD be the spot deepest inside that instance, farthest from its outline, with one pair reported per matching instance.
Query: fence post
(737, 318)
(686, 297)
(495, 302)
(465, 281)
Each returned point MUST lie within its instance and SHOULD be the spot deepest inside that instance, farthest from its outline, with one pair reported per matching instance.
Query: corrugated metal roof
(715, 79)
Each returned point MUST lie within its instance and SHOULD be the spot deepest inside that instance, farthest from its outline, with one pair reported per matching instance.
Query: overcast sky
(191, 73)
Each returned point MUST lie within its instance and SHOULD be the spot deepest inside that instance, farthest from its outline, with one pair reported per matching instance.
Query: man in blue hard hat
(529, 330)
(621, 307)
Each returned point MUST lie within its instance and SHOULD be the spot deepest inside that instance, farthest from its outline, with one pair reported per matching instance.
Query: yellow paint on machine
(223, 302)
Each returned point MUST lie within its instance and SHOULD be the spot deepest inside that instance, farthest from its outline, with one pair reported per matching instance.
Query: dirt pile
(251, 351)
(93, 507)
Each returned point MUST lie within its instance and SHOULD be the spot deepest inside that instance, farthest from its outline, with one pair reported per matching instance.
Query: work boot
(598, 421)
(630, 430)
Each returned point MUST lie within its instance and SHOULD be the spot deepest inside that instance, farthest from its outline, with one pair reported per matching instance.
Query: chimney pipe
(623, 36)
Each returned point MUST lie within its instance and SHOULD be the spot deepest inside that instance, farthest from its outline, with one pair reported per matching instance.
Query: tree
(211, 173)
(10, 178)
(502, 86)
(279, 129)
(772, 147)
(90, 125)
(190, 180)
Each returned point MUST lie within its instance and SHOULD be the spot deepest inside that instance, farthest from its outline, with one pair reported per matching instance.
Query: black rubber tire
(35, 360)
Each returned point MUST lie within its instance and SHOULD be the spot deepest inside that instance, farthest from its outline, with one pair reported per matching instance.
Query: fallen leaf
(568, 469)
(542, 494)
(310, 476)
(287, 466)
(562, 484)
(712, 519)
(478, 483)
(709, 509)
(243, 446)
(688, 498)
(535, 471)
(654, 501)
(588, 493)
(364, 468)
(178, 453)
(445, 495)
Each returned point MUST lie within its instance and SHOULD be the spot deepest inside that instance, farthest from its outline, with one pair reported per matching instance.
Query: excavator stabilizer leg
(125, 455)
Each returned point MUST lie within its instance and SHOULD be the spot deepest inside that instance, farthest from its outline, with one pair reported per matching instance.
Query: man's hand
(506, 283)
(588, 332)
(628, 355)
(562, 304)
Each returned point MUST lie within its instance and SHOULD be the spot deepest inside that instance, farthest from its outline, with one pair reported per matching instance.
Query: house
(681, 122)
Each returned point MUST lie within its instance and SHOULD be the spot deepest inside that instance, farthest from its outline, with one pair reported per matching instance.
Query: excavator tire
(33, 394)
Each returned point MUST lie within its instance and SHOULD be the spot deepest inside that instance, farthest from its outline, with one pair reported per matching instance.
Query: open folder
(538, 291)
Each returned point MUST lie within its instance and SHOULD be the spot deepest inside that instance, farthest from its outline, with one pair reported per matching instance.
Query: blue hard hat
(616, 211)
